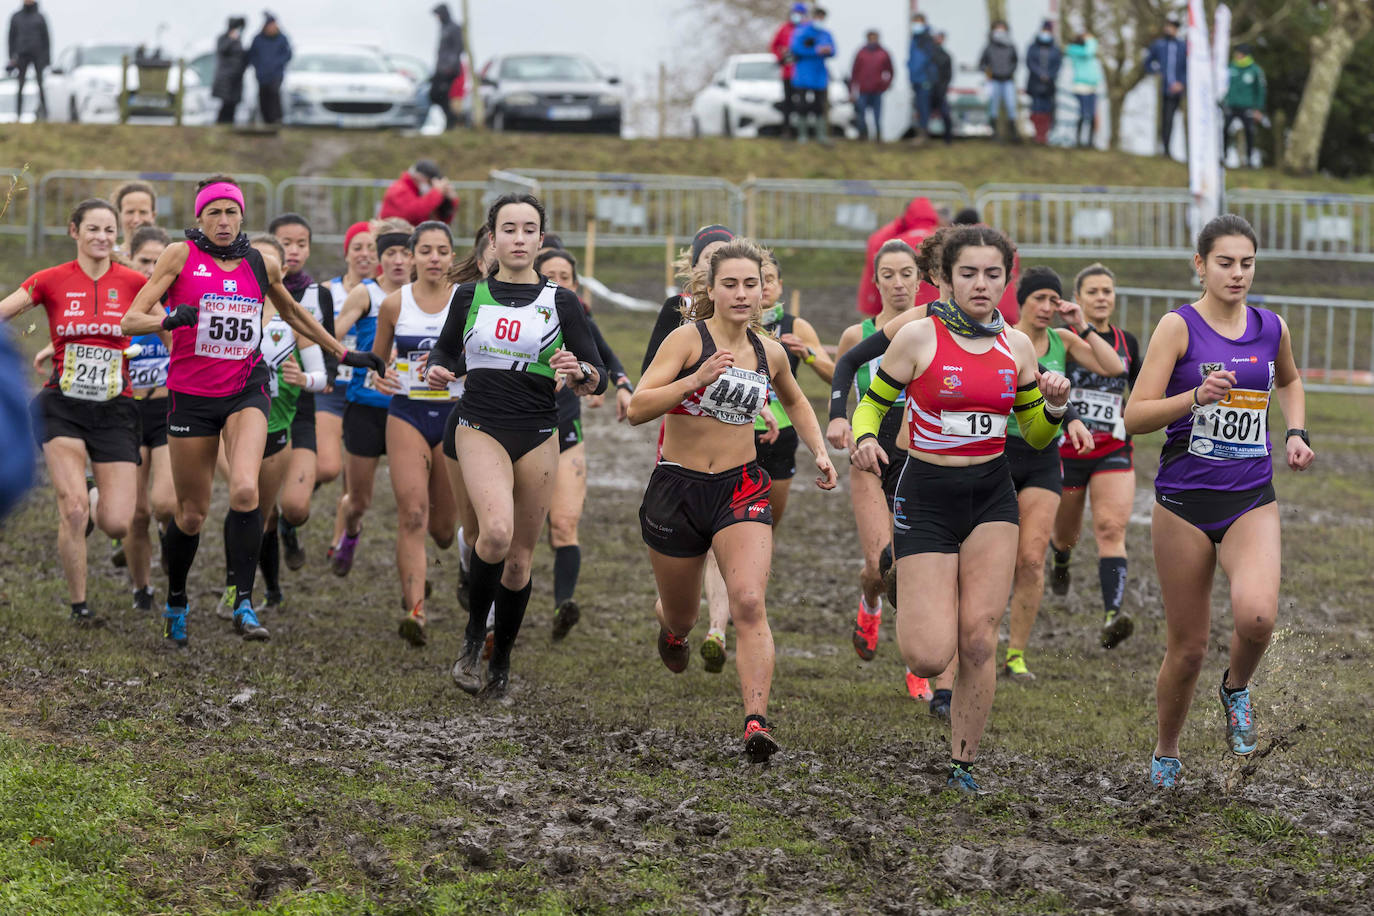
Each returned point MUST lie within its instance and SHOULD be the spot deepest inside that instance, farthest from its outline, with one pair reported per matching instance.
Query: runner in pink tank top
(215, 284)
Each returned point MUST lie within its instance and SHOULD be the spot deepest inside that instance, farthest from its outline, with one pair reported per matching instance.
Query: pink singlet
(215, 356)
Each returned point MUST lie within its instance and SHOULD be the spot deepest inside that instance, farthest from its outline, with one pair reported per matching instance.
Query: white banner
(1204, 122)
(1221, 50)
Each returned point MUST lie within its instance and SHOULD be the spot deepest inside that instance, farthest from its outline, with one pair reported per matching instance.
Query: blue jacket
(1043, 60)
(811, 72)
(920, 61)
(1169, 58)
(269, 55)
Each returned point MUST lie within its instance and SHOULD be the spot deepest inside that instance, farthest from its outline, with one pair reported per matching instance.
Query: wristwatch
(586, 369)
(1300, 433)
(810, 356)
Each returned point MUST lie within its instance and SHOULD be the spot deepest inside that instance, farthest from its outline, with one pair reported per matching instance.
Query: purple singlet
(1225, 446)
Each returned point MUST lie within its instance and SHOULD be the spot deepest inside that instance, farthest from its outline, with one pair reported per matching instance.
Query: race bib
(92, 373)
(736, 397)
(1100, 410)
(1237, 426)
(507, 334)
(410, 366)
(345, 373)
(230, 327)
(149, 373)
(973, 424)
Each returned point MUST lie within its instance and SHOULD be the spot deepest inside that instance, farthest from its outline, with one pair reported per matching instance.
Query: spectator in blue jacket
(921, 70)
(17, 458)
(812, 45)
(269, 54)
(1043, 60)
(1168, 57)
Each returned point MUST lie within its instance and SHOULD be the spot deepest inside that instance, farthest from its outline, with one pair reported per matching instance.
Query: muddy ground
(336, 769)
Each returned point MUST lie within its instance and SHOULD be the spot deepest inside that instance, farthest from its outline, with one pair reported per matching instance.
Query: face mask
(1046, 37)
(918, 29)
(999, 34)
(795, 18)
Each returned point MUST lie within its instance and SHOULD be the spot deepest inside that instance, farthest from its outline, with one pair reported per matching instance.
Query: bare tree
(1347, 22)
(997, 9)
(711, 31)
(1124, 29)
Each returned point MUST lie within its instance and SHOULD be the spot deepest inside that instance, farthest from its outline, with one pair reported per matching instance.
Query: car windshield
(338, 62)
(757, 70)
(547, 69)
(105, 55)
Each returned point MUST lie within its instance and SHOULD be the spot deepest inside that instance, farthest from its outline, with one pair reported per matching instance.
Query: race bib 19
(1100, 410)
(92, 373)
(973, 424)
(229, 327)
(1237, 426)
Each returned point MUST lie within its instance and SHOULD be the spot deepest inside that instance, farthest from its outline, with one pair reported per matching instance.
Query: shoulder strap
(708, 343)
(759, 352)
(259, 268)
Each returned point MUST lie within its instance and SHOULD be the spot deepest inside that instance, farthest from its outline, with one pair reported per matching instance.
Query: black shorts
(937, 508)
(449, 426)
(191, 415)
(110, 429)
(1077, 471)
(1213, 512)
(332, 402)
(364, 430)
(517, 442)
(1034, 468)
(303, 426)
(778, 458)
(569, 434)
(152, 413)
(683, 509)
(891, 473)
(276, 442)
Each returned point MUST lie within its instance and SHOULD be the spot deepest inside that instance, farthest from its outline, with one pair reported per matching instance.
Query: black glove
(183, 316)
(363, 359)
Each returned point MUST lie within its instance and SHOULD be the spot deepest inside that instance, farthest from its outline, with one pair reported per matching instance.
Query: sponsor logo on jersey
(1009, 379)
(231, 286)
(82, 328)
(73, 308)
(114, 295)
(952, 384)
(201, 271)
(544, 312)
(1245, 359)
(180, 429)
(758, 508)
(948, 368)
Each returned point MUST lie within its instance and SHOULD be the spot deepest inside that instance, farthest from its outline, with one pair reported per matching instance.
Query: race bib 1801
(1237, 426)
(229, 327)
(92, 373)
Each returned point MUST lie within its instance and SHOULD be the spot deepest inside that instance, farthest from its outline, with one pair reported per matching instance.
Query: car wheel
(726, 129)
(72, 114)
(613, 129)
(696, 127)
(498, 120)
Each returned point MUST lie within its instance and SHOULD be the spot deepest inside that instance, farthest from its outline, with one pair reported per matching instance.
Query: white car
(345, 86)
(9, 90)
(744, 99)
(84, 84)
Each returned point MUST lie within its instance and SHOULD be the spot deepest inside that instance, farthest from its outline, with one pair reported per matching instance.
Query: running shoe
(174, 625)
(866, 633)
(962, 781)
(918, 687)
(273, 601)
(1164, 772)
(888, 570)
(759, 743)
(291, 545)
(1015, 666)
(413, 629)
(227, 602)
(143, 599)
(85, 617)
(246, 623)
(713, 652)
(1116, 627)
(342, 560)
(498, 683)
(674, 650)
(1241, 733)
(467, 671)
(118, 559)
(565, 618)
(1060, 579)
(939, 704)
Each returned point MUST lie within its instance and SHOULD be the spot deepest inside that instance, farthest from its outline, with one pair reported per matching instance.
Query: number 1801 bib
(1237, 426)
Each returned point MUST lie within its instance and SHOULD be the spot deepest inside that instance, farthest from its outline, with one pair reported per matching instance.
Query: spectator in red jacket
(870, 78)
(918, 221)
(420, 194)
(782, 50)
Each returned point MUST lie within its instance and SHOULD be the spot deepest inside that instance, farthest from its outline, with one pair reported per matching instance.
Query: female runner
(955, 512)
(86, 409)
(508, 335)
(1107, 472)
(1208, 374)
(711, 379)
(1035, 472)
(215, 285)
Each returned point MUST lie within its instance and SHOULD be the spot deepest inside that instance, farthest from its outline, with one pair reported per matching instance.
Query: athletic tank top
(350, 340)
(215, 356)
(737, 396)
(362, 386)
(891, 426)
(961, 403)
(279, 346)
(1224, 446)
(1054, 359)
(149, 368)
(777, 323)
(514, 338)
(416, 333)
(1101, 400)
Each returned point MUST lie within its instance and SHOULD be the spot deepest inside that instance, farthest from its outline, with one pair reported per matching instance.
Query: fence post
(750, 216)
(668, 257)
(590, 256)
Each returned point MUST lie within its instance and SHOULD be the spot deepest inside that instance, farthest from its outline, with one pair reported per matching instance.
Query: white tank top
(350, 340)
(416, 333)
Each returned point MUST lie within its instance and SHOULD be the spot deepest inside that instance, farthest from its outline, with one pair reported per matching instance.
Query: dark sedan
(550, 92)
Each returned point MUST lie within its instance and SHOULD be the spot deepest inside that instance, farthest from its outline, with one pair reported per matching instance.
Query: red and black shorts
(683, 509)
(1077, 471)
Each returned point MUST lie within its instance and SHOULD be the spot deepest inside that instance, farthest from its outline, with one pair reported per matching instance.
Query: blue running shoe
(174, 625)
(1164, 772)
(1241, 733)
(246, 622)
(961, 781)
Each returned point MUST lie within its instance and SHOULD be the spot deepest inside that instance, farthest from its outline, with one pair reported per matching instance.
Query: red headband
(352, 231)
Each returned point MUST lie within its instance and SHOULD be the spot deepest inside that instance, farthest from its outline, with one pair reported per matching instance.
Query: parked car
(550, 91)
(84, 84)
(339, 85)
(744, 99)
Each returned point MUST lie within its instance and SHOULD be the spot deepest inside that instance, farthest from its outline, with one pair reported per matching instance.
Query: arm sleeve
(669, 317)
(847, 366)
(312, 362)
(1037, 427)
(448, 350)
(868, 416)
(577, 334)
(326, 300)
(613, 365)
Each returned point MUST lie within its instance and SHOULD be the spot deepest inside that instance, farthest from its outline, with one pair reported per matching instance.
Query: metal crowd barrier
(1309, 224)
(16, 202)
(333, 204)
(801, 213)
(1102, 222)
(59, 192)
(1332, 339)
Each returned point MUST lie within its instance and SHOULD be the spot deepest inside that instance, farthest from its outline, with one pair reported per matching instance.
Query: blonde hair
(699, 306)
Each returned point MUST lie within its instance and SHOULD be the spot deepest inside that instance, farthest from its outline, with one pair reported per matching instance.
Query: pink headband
(220, 190)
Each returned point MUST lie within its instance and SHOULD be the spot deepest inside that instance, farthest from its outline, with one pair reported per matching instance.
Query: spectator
(420, 194)
(17, 458)
(30, 46)
(448, 63)
(998, 64)
(812, 46)
(1087, 79)
(944, 76)
(869, 79)
(231, 61)
(1245, 97)
(915, 223)
(920, 69)
(1043, 60)
(1168, 56)
(269, 54)
(782, 50)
